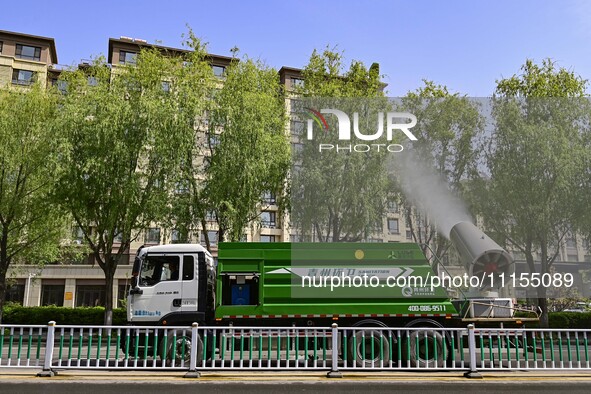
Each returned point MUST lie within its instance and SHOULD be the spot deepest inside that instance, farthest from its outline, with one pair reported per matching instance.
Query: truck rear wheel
(425, 349)
(369, 349)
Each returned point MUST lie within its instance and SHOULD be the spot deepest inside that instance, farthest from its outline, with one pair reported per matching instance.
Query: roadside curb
(265, 376)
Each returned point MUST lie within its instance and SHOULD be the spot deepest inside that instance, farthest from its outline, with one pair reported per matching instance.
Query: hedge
(562, 320)
(570, 320)
(16, 314)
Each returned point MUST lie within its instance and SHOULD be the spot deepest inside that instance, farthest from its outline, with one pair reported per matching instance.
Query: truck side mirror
(136, 290)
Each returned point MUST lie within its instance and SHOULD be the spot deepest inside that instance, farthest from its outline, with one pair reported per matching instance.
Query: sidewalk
(14, 374)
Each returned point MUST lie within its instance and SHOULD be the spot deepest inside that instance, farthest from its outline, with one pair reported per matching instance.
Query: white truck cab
(172, 285)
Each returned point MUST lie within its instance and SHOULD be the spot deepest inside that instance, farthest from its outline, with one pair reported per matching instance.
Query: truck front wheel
(178, 348)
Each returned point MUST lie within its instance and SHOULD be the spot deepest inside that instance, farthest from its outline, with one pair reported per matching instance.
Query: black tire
(362, 355)
(180, 350)
(424, 355)
(132, 342)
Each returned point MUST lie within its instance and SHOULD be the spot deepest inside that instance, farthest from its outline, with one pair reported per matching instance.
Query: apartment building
(26, 59)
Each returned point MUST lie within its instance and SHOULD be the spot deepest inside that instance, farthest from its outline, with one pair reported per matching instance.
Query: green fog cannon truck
(312, 285)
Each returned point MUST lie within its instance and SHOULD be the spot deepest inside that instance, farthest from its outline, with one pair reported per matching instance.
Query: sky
(465, 45)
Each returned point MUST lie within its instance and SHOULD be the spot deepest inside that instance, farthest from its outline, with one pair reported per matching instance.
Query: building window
(269, 198)
(92, 81)
(28, 52)
(268, 238)
(127, 57)
(408, 234)
(588, 258)
(62, 86)
(165, 86)
(377, 228)
(571, 241)
(268, 219)
(296, 238)
(297, 82)
(392, 206)
(175, 236)
(393, 226)
(90, 295)
(122, 290)
(124, 259)
(1, 45)
(297, 127)
(375, 240)
(298, 148)
(218, 71)
(181, 187)
(517, 255)
(118, 237)
(23, 77)
(152, 235)
(213, 238)
(210, 216)
(52, 294)
(572, 257)
(213, 140)
(78, 234)
(15, 293)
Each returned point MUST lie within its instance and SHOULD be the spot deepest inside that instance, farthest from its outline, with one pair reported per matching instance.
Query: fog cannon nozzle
(480, 255)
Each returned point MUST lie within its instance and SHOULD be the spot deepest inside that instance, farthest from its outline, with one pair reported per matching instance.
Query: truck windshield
(156, 269)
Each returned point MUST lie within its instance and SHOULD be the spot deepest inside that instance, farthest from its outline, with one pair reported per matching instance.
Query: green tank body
(323, 280)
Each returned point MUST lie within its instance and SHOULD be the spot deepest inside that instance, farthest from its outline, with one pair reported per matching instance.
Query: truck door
(160, 284)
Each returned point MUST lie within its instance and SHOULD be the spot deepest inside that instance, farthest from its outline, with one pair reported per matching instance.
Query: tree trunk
(205, 234)
(542, 301)
(109, 300)
(529, 259)
(335, 230)
(543, 304)
(4, 263)
(3, 270)
(109, 269)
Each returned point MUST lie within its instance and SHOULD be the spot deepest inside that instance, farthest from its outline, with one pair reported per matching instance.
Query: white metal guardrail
(333, 349)
(22, 346)
(368, 348)
(269, 348)
(502, 349)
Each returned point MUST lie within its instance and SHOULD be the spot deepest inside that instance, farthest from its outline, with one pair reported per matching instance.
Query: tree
(31, 228)
(534, 159)
(252, 156)
(338, 196)
(447, 129)
(126, 130)
(582, 221)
